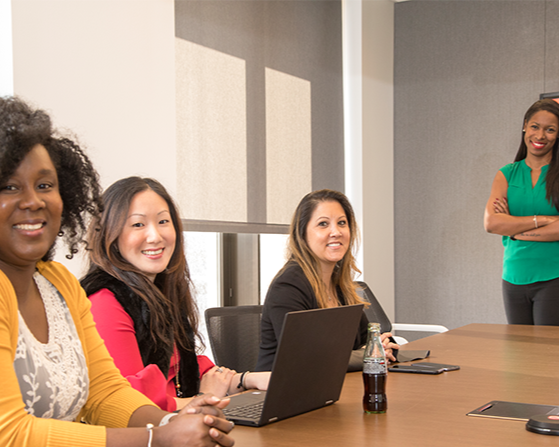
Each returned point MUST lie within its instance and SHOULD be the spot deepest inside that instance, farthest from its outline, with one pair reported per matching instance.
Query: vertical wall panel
(211, 133)
(288, 143)
(465, 73)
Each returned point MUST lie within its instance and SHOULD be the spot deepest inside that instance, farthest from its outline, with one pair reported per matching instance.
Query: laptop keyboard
(251, 411)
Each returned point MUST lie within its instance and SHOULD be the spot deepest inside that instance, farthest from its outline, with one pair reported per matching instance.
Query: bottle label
(372, 367)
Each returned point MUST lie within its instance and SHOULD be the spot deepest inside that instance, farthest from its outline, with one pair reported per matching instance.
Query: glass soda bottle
(374, 372)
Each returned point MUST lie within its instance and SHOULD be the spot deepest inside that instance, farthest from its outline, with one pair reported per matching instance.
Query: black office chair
(375, 312)
(234, 333)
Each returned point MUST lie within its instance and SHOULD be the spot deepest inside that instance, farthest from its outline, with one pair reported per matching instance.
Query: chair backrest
(375, 313)
(234, 333)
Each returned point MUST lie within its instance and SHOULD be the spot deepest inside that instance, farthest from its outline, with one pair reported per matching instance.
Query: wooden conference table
(498, 362)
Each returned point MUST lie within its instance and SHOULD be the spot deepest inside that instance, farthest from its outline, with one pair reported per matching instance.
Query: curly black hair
(21, 128)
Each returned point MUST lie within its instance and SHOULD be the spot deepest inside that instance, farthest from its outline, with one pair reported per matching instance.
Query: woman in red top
(140, 290)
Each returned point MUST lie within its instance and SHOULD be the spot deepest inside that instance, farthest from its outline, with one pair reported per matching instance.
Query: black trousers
(536, 303)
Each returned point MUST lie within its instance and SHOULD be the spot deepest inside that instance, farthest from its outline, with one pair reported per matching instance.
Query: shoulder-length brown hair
(171, 292)
(300, 252)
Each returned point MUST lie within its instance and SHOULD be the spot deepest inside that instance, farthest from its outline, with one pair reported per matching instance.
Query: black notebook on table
(308, 370)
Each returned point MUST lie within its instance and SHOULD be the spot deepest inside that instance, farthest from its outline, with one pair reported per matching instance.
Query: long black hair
(552, 177)
(169, 297)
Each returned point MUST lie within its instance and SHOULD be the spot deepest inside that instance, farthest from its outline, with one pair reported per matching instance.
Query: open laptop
(308, 370)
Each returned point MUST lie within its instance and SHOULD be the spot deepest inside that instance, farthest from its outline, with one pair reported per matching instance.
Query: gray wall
(465, 73)
(301, 39)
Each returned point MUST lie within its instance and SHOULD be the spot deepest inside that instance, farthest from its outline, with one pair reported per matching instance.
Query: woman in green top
(523, 208)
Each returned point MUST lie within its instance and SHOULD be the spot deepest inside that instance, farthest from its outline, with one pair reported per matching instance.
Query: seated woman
(54, 367)
(319, 271)
(141, 298)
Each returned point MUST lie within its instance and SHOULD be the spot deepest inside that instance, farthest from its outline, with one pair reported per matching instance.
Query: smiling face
(328, 234)
(30, 211)
(147, 240)
(540, 133)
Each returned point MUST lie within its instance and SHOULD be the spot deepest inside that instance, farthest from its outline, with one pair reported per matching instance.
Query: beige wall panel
(288, 144)
(211, 133)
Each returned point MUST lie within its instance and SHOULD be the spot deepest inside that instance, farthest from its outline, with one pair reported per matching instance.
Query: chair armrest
(400, 340)
(419, 327)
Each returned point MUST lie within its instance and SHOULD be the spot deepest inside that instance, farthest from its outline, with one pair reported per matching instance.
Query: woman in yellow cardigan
(54, 368)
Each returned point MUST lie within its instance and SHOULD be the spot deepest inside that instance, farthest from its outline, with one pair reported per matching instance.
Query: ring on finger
(219, 370)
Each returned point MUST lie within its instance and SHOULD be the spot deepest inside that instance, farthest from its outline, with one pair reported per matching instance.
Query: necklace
(332, 296)
(177, 369)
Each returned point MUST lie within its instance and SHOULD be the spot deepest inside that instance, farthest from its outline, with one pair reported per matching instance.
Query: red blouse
(117, 330)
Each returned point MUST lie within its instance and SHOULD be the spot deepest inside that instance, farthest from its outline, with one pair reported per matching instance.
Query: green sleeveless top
(525, 262)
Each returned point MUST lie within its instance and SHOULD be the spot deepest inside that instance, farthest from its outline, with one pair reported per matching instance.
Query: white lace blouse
(53, 376)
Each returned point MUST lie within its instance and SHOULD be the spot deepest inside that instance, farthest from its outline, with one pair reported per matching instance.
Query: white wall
(6, 53)
(378, 150)
(353, 109)
(369, 128)
(105, 70)
(117, 57)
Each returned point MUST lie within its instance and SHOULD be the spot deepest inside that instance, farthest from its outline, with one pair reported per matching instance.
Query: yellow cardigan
(111, 399)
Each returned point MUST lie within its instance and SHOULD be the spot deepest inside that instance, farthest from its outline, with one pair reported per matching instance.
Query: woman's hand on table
(389, 346)
(217, 381)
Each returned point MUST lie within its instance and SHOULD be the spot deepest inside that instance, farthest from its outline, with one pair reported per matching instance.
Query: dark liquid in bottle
(374, 399)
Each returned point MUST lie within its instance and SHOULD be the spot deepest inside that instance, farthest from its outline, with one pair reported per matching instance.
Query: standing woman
(319, 272)
(523, 208)
(141, 294)
(54, 367)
